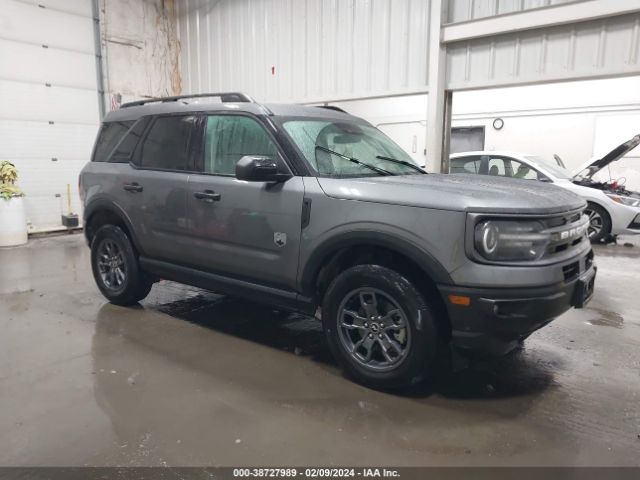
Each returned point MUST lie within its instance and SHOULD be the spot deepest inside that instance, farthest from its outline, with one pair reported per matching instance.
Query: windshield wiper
(402, 162)
(355, 160)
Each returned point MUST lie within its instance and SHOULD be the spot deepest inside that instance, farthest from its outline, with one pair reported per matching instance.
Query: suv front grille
(568, 232)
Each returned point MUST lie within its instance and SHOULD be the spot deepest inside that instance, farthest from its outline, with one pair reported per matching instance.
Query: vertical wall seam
(189, 69)
(209, 54)
(97, 45)
(198, 53)
(407, 46)
(388, 32)
(633, 46)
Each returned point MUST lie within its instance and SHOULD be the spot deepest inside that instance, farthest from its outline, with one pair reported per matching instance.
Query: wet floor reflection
(192, 378)
(606, 318)
(520, 373)
(225, 370)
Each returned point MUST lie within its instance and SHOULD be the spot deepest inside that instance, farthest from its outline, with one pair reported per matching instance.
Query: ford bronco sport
(314, 210)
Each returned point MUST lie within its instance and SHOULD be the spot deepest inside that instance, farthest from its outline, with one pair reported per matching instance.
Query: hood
(595, 165)
(458, 192)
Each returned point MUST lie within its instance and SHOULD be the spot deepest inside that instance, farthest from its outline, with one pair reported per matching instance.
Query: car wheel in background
(599, 222)
(380, 328)
(115, 267)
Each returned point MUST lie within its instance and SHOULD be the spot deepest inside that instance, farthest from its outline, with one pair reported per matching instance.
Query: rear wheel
(115, 267)
(599, 222)
(380, 327)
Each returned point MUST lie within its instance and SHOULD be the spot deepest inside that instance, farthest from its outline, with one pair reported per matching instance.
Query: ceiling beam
(579, 11)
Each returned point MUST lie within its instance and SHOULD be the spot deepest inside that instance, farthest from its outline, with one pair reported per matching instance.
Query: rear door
(247, 230)
(112, 171)
(157, 186)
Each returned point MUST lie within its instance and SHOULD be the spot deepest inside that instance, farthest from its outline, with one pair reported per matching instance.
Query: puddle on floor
(606, 319)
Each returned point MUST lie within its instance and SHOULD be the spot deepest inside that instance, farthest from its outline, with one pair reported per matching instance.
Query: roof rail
(225, 97)
(333, 107)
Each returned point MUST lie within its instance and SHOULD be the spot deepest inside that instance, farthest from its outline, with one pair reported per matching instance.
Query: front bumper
(625, 220)
(496, 319)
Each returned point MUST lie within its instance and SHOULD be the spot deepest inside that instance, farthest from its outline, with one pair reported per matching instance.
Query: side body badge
(280, 239)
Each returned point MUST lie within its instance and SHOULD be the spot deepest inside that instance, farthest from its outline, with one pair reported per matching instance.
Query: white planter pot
(13, 222)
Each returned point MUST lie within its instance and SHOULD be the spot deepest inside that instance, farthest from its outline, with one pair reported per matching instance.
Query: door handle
(208, 196)
(132, 187)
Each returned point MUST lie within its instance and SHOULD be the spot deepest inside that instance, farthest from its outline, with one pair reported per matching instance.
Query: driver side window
(228, 138)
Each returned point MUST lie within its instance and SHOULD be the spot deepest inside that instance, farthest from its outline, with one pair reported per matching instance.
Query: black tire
(421, 341)
(600, 229)
(115, 267)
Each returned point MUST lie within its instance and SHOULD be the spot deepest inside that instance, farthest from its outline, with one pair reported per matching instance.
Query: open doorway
(466, 139)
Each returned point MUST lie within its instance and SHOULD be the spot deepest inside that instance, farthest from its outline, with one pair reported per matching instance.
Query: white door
(49, 111)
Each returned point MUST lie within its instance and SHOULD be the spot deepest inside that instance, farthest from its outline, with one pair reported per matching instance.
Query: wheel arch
(103, 212)
(361, 247)
(606, 208)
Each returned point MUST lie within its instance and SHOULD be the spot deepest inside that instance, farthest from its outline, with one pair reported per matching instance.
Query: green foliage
(8, 178)
(8, 191)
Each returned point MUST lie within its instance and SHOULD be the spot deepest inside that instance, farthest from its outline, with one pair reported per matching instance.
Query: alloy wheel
(111, 264)
(374, 329)
(596, 223)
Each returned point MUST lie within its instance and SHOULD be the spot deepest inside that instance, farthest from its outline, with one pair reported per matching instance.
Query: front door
(247, 230)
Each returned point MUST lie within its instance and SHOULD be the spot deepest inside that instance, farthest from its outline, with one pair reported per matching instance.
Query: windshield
(325, 143)
(551, 166)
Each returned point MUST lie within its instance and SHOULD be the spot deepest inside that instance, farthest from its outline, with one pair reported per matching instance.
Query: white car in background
(612, 209)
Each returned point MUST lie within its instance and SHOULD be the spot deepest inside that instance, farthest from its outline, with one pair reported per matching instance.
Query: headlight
(629, 201)
(505, 240)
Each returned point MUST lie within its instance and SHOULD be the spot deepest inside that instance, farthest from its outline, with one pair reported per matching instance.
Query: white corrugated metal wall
(304, 50)
(318, 50)
(465, 10)
(332, 50)
(48, 100)
(599, 48)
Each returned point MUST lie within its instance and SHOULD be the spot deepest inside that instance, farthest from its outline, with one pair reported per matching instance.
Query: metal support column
(95, 7)
(437, 124)
(446, 131)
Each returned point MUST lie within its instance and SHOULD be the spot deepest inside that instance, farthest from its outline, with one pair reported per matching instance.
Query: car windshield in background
(551, 166)
(325, 144)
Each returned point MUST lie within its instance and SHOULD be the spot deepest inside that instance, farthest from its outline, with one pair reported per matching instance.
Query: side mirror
(253, 168)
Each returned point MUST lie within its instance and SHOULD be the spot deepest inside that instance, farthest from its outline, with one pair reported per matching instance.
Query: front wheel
(379, 327)
(115, 267)
(599, 222)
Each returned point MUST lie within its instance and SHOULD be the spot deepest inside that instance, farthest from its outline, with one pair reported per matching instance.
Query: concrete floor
(190, 378)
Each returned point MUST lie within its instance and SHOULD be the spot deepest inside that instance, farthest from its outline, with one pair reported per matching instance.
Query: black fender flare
(423, 259)
(103, 204)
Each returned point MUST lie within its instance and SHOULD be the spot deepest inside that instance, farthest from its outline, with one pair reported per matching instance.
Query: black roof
(206, 103)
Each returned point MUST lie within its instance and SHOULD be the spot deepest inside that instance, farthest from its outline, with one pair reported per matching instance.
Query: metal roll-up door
(49, 111)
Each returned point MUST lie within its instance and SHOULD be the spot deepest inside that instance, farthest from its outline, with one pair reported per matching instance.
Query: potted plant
(13, 223)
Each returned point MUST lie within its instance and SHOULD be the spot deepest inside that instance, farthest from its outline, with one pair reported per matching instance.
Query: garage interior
(194, 378)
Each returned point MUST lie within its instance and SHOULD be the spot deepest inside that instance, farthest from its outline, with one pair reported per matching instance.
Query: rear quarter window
(465, 165)
(123, 152)
(108, 137)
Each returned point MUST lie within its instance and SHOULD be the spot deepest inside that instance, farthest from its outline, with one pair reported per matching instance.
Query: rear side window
(465, 165)
(124, 151)
(166, 146)
(110, 134)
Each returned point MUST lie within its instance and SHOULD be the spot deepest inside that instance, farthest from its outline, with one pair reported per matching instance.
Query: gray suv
(313, 210)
